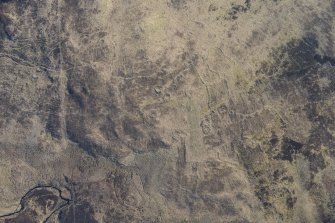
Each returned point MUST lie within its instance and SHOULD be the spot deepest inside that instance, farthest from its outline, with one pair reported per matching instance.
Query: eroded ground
(167, 111)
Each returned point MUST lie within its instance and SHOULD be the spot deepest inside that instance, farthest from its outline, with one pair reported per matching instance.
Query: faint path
(62, 81)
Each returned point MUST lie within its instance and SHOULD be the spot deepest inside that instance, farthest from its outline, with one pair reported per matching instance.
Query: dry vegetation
(167, 111)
